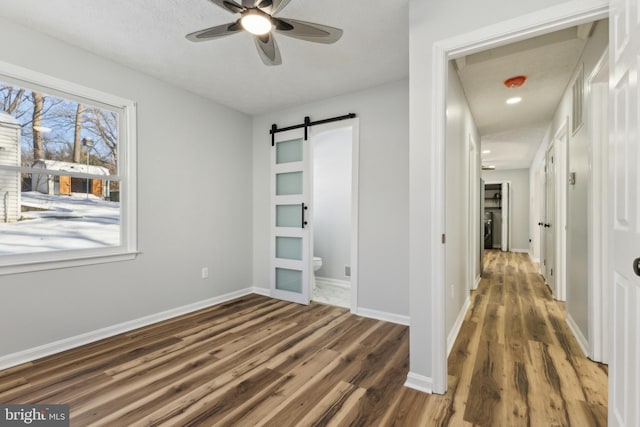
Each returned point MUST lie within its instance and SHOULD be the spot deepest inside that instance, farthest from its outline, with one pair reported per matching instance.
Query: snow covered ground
(69, 222)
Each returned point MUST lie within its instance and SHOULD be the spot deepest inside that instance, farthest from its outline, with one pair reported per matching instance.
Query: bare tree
(103, 125)
(77, 141)
(12, 98)
(38, 105)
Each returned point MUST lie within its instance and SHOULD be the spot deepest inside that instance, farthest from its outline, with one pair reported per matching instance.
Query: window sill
(68, 262)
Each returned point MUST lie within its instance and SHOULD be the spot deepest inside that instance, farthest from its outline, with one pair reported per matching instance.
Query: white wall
(460, 126)
(577, 202)
(194, 207)
(383, 262)
(431, 22)
(518, 205)
(332, 202)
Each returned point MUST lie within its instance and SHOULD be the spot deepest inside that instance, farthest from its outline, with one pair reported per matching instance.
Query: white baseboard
(419, 382)
(382, 315)
(478, 279)
(582, 341)
(524, 251)
(31, 354)
(265, 292)
(345, 284)
(455, 329)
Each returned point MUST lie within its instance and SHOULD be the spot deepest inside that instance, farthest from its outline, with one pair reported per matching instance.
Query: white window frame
(127, 143)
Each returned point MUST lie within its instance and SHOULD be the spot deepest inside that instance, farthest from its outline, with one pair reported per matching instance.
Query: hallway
(515, 362)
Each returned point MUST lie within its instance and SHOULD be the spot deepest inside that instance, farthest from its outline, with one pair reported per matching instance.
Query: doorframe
(524, 27)
(503, 207)
(475, 217)
(315, 131)
(561, 153)
(598, 219)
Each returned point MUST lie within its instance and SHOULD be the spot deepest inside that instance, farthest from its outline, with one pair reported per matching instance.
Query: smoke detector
(514, 82)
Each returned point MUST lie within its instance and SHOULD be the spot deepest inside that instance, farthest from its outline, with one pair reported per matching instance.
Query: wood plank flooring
(260, 362)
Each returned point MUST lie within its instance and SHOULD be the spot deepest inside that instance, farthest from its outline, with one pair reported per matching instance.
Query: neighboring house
(9, 156)
(55, 184)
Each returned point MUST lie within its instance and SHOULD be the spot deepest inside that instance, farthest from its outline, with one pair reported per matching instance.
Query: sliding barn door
(624, 374)
(290, 213)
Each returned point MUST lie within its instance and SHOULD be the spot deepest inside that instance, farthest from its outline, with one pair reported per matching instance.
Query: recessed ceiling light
(514, 100)
(486, 151)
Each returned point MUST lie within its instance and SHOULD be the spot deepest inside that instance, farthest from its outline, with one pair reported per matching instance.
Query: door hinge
(544, 262)
(444, 239)
(552, 271)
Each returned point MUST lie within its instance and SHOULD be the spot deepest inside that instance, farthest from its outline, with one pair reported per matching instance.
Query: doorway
(496, 216)
(332, 228)
(293, 217)
(442, 53)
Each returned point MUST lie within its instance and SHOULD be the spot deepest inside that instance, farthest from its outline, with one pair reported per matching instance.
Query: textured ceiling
(513, 133)
(148, 35)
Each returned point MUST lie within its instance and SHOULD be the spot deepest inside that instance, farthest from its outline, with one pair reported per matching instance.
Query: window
(67, 177)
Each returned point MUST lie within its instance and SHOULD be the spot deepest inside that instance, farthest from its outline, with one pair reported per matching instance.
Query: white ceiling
(148, 35)
(513, 133)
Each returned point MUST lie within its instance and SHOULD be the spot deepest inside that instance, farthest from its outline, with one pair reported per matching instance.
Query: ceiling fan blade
(308, 31)
(268, 49)
(214, 32)
(278, 5)
(249, 3)
(229, 5)
(270, 6)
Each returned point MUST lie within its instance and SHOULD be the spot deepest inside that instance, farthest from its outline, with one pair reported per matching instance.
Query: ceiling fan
(257, 17)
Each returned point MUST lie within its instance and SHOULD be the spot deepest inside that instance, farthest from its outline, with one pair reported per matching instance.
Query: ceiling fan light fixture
(256, 22)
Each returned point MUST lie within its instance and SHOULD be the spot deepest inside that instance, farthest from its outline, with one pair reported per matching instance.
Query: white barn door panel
(290, 217)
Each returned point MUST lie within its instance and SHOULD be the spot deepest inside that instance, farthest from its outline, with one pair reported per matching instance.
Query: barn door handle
(304, 208)
(636, 266)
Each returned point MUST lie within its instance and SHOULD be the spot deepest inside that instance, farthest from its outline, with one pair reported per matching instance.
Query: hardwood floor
(260, 362)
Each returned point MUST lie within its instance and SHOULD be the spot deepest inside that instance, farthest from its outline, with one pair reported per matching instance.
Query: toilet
(317, 264)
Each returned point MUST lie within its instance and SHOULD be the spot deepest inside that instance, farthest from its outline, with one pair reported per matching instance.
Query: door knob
(636, 266)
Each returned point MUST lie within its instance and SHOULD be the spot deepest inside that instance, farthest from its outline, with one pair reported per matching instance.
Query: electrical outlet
(205, 272)
(347, 271)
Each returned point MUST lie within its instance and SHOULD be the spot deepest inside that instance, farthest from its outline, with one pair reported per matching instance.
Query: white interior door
(505, 216)
(482, 225)
(290, 217)
(549, 220)
(624, 374)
